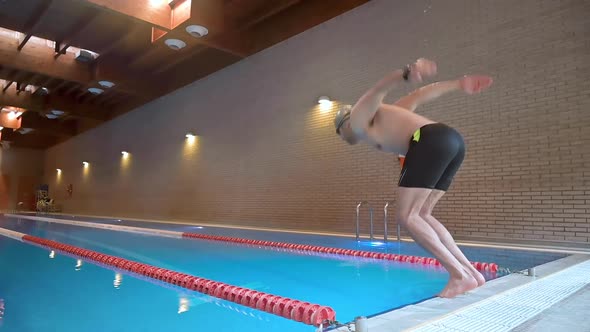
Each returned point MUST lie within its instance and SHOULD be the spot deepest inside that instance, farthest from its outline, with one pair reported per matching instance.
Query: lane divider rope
(481, 266)
(300, 311)
(491, 267)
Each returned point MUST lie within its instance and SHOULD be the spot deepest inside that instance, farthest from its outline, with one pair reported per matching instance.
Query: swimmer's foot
(457, 286)
(478, 277)
(475, 274)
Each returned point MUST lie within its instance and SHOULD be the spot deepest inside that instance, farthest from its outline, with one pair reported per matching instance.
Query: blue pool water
(41, 293)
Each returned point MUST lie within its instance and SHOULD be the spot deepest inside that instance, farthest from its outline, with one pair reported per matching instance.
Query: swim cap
(342, 115)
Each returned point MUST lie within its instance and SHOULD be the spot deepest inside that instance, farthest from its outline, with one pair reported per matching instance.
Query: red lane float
(491, 267)
(304, 312)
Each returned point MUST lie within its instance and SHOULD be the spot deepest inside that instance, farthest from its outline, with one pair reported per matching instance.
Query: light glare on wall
(85, 169)
(125, 160)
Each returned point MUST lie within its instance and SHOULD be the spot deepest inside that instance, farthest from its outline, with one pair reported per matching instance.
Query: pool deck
(471, 312)
(570, 314)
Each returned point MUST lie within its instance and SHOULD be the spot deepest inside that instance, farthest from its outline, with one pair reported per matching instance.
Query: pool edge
(413, 316)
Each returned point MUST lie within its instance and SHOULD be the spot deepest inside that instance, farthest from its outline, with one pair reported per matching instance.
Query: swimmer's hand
(475, 84)
(421, 69)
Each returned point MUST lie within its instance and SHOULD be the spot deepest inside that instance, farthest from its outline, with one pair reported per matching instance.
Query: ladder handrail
(385, 222)
(358, 210)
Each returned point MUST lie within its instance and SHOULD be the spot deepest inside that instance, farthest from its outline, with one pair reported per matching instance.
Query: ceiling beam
(302, 16)
(60, 85)
(7, 86)
(29, 27)
(39, 59)
(46, 126)
(155, 12)
(274, 9)
(116, 44)
(72, 88)
(231, 43)
(22, 81)
(32, 140)
(62, 50)
(80, 94)
(76, 29)
(43, 104)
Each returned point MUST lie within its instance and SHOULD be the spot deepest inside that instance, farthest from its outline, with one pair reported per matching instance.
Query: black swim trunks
(434, 157)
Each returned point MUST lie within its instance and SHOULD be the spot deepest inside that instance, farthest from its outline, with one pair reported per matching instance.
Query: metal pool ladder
(385, 221)
(385, 214)
(358, 211)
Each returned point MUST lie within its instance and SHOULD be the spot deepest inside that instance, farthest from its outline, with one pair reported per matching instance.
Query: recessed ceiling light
(197, 31)
(175, 44)
(95, 91)
(106, 84)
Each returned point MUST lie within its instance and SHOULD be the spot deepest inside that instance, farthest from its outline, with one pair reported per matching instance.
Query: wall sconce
(325, 103)
(324, 100)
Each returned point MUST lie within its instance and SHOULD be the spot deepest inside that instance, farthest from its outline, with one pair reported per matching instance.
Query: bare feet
(475, 274)
(478, 277)
(458, 286)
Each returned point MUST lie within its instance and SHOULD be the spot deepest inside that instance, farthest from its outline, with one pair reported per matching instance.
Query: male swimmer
(433, 154)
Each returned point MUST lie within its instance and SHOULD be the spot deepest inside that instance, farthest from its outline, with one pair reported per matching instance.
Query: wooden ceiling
(125, 34)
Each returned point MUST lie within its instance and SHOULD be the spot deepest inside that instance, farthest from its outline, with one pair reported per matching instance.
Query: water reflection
(52, 254)
(183, 305)
(1, 311)
(118, 280)
(78, 264)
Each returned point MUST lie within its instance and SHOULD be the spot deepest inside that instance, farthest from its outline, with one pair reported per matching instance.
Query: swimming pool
(61, 293)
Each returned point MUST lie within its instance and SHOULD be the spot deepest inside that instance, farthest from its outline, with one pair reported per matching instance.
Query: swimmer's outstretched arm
(427, 93)
(469, 84)
(363, 112)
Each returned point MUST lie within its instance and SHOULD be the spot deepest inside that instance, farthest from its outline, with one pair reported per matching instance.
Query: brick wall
(266, 155)
(21, 171)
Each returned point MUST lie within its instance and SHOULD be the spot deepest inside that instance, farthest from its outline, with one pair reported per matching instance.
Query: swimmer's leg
(445, 237)
(410, 202)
